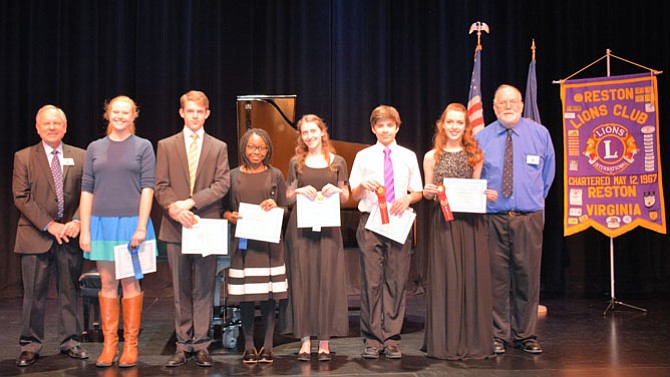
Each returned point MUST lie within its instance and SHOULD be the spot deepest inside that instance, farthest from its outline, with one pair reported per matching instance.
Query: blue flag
(530, 109)
(475, 109)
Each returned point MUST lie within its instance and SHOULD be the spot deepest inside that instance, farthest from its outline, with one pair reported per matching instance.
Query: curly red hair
(301, 149)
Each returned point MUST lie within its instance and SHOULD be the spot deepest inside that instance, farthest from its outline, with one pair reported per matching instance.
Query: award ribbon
(137, 267)
(444, 203)
(383, 208)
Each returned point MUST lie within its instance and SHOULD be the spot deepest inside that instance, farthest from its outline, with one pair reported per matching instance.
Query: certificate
(398, 227)
(466, 195)
(208, 236)
(259, 225)
(123, 261)
(318, 213)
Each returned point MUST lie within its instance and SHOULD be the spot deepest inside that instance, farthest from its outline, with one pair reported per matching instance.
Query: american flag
(475, 110)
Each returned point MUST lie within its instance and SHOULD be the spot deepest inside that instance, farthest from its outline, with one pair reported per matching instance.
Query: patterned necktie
(58, 181)
(508, 167)
(388, 176)
(192, 160)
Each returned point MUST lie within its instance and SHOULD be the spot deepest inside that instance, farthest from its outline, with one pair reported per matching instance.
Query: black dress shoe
(178, 359)
(265, 356)
(304, 356)
(498, 346)
(371, 353)
(392, 352)
(203, 359)
(26, 358)
(76, 352)
(530, 346)
(250, 356)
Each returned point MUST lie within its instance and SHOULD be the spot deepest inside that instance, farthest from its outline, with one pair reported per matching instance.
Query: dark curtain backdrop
(341, 58)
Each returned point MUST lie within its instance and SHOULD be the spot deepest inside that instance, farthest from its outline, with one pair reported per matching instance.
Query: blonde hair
(196, 96)
(108, 108)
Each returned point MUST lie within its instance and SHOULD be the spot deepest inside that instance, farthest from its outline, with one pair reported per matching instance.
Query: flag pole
(533, 48)
(474, 108)
(531, 109)
(479, 26)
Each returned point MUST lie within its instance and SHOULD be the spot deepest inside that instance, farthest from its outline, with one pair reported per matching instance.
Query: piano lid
(276, 115)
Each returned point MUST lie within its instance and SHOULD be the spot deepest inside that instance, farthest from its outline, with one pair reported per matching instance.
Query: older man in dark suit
(46, 186)
(192, 176)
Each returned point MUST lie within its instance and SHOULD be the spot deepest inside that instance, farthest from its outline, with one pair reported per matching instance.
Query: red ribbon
(444, 203)
(383, 208)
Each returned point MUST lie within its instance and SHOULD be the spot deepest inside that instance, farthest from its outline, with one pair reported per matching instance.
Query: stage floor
(578, 341)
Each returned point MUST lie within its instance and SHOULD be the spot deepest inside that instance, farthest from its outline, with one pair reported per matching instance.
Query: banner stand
(613, 302)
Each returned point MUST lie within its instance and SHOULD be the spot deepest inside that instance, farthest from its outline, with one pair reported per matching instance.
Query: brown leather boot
(132, 316)
(109, 316)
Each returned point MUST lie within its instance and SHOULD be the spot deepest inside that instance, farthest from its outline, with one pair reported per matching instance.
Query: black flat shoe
(178, 359)
(26, 358)
(250, 356)
(76, 352)
(265, 356)
(498, 346)
(530, 346)
(304, 356)
(324, 356)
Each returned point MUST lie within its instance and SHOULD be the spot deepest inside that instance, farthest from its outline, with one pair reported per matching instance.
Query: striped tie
(193, 160)
(58, 181)
(388, 176)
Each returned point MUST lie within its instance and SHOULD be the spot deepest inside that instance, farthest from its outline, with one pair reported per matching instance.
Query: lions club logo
(610, 149)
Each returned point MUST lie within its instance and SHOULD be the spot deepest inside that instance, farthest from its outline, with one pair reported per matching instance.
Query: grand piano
(276, 115)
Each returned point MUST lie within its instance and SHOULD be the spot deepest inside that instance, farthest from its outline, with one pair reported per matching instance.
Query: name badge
(68, 161)
(533, 160)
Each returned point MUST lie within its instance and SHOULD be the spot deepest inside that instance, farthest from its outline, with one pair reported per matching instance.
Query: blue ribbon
(242, 244)
(137, 267)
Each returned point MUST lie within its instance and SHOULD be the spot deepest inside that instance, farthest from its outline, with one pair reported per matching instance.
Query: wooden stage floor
(578, 341)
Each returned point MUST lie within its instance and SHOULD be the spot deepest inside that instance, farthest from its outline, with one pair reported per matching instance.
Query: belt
(512, 213)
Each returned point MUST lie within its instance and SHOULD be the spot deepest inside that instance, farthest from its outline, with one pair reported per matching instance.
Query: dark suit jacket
(35, 195)
(172, 180)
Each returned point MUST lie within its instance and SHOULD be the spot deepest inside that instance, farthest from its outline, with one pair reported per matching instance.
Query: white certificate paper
(259, 225)
(123, 262)
(318, 213)
(207, 237)
(398, 227)
(466, 195)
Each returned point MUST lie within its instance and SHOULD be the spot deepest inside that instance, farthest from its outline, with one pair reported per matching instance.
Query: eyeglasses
(511, 103)
(254, 148)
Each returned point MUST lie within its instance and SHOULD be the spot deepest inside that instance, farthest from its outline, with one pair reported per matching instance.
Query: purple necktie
(58, 181)
(388, 176)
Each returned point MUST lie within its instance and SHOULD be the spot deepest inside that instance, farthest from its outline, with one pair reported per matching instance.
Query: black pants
(385, 268)
(66, 261)
(515, 248)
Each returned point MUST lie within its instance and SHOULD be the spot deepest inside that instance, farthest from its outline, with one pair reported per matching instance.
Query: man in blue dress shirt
(516, 218)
